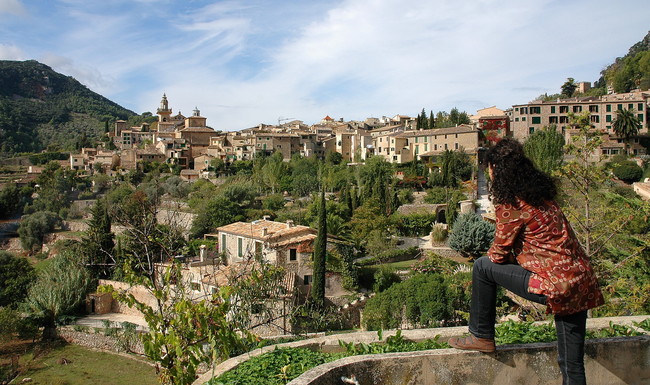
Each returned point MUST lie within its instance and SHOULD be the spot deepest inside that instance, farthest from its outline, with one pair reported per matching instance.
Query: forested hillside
(630, 71)
(40, 108)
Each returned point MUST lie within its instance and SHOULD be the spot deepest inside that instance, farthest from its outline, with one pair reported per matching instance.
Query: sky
(248, 62)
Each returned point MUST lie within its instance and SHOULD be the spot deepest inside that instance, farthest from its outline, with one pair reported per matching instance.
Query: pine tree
(98, 243)
(320, 250)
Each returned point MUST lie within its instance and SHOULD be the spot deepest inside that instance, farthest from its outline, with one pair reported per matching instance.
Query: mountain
(43, 109)
(630, 71)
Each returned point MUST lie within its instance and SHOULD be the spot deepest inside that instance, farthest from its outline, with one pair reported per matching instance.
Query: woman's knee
(481, 263)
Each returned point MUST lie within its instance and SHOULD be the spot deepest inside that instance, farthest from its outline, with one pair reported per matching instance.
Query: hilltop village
(192, 144)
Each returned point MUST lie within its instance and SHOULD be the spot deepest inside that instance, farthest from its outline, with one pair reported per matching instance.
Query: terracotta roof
(275, 231)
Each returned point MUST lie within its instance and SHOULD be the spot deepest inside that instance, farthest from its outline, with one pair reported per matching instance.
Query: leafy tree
(569, 87)
(59, 289)
(16, 275)
(56, 185)
(320, 256)
(377, 183)
(626, 125)
(34, 227)
(471, 235)
(13, 200)
(219, 211)
(545, 148)
(98, 243)
(628, 172)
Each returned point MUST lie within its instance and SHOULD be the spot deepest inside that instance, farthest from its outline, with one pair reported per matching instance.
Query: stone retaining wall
(611, 361)
(98, 341)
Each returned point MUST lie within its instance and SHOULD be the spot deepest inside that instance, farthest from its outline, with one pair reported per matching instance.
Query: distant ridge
(41, 108)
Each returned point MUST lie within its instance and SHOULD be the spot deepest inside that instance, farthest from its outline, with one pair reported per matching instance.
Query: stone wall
(98, 340)
(139, 292)
(611, 361)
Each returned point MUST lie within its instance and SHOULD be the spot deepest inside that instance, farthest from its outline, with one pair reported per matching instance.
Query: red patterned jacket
(542, 241)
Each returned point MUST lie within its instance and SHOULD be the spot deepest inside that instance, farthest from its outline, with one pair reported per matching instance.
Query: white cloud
(88, 76)
(11, 52)
(14, 7)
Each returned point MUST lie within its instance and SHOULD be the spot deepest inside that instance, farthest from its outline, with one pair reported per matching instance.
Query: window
(535, 110)
(306, 280)
(640, 116)
(445, 146)
(240, 247)
(564, 119)
(608, 118)
(223, 243)
(536, 120)
(531, 130)
(516, 119)
(426, 139)
(552, 120)
(523, 118)
(608, 108)
(594, 119)
(552, 109)
(593, 108)
(435, 147)
(619, 107)
(640, 107)
(456, 146)
(417, 150)
(577, 108)
(630, 106)
(258, 249)
(416, 139)
(293, 255)
(564, 109)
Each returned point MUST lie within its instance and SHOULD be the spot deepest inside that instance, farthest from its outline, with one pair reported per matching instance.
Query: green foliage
(569, 87)
(626, 124)
(545, 148)
(98, 243)
(180, 325)
(393, 344)
(425, 300)
(471, 235)
(273, 202)
(414, 225)
(16, 276)
(34, 227)
(629, 172)
(46, 157)
(452, 168)
(320, 257)
(614, 330)
(219, 211)
(511, 332)
(384, 278)
(59, 289)
(631, 71)
(275, 367)
(13, 200)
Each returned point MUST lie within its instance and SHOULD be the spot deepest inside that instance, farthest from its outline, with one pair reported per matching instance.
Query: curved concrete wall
(612, 361)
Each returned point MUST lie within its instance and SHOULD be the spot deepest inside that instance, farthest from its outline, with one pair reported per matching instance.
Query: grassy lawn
(64, 364)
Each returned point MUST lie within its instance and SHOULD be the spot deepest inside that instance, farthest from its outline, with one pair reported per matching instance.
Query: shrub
(628, 172)
(439, 233)
(424, 300)
(471, 236)
(384, 278)
(414, 225)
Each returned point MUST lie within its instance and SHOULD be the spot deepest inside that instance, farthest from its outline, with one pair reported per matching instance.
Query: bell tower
(165, 123)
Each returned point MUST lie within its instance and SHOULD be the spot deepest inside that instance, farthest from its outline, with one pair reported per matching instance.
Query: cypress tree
(320, 250)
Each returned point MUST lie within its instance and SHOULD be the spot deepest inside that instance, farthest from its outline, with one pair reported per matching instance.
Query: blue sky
(253, 61)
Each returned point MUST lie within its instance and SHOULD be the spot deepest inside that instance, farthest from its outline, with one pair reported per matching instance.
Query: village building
(530, 117)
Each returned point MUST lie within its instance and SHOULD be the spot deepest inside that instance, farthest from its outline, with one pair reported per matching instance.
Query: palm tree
(626, 125)
(569, 87)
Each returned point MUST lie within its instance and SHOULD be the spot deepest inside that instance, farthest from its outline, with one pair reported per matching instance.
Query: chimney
(265, 231)
(202, 253)
(290, 224)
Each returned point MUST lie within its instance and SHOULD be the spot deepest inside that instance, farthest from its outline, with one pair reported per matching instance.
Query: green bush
(471, 236)
(628, 172)
(414, 225)
(384, 278)
(424, 300)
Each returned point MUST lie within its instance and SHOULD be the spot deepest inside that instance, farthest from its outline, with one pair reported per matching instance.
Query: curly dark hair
(515, 176)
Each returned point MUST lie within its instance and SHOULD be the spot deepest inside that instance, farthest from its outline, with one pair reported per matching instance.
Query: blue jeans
(570, 328)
